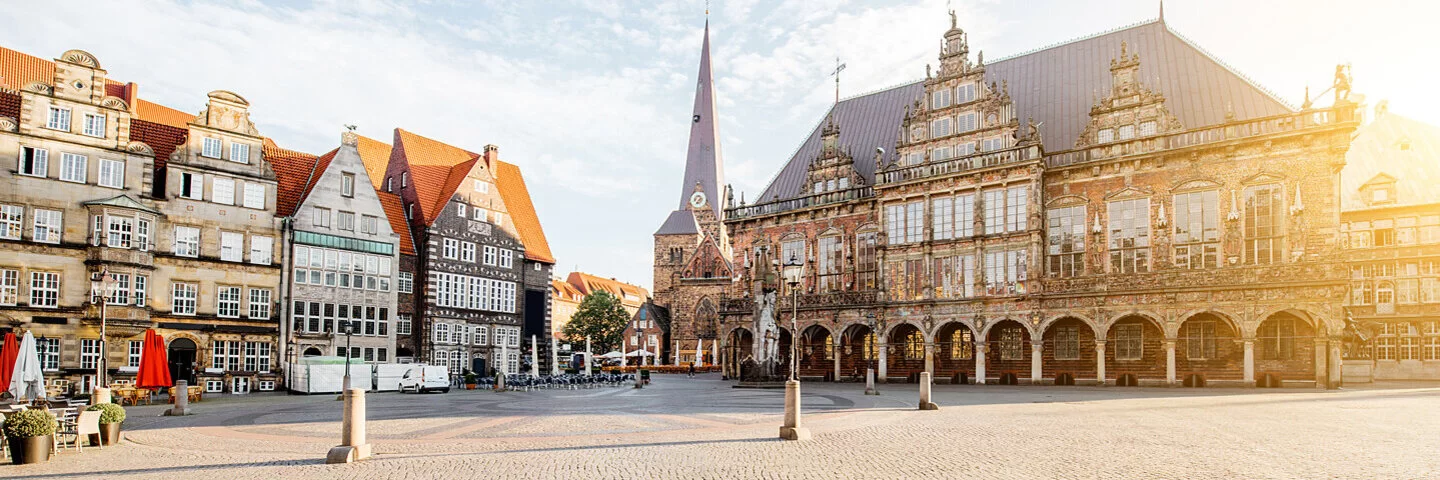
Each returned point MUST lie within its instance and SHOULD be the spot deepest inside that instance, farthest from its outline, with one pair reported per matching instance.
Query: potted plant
(111, 416)
(31, 435)
(470, 380)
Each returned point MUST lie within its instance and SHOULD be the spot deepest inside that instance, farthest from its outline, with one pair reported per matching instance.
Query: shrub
(30, 423)
(109, 412)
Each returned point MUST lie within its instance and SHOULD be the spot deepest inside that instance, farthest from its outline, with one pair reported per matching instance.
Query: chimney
(492, 153)
(132, 92)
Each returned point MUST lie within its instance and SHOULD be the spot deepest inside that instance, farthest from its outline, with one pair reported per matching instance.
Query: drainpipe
(287, 233)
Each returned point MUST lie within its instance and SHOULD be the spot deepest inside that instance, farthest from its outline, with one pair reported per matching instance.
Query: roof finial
(707, 8)
(1162, 12)
(839, 67)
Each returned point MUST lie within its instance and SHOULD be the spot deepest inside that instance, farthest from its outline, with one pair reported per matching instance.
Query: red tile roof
(395, 213)
(588, 284)
(522, 212)
(565, 291)
(10, 105)
(18, 70)
(295, 174)
(161, 138)
(375, 155)
(162, 114)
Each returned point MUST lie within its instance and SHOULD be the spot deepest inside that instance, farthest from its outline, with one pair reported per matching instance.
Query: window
(239, 153)
(1130, 236)
(112, 173)
(118, 231)
(402, 324)
(320, 217)
(940, 99)
(1067, 342)
(1012, 343)
(1197, 230)
(406, 282)
(260, 249)
(905, 223)
(72, 167)
(994, 211)
(491, 255)
(132, 357)
(347, 184)
(1277, 339)
(1264, 225)
(227, 302)
(89, 353)
(965, 93)
(940, 127)
(211, 148)
(830, 260)
(481, 186)
(44, 289)
(404, 179)
(59, 119)
(1065, 242)
(913, 345)
(1127, 132)
(369, 224)
(479, 214)
(992, 144)
(1199, 339)
(866, 265)
(955, 276)
(459, 334)
(467, 252)
(226, 355)
(192, 186)
(1147, 128)
(507, 258)
(1015, 208)
(1105, 136)
(1005, 272)
(482, 335)
(1129, 341)
(223, 191)
(962, 344)
(12, 218)
(119, 293)
(460, 210)
(255, 196)
(967, 122)
(451, 248)
(141, 282)
(345, 221)
(182, 298)
(34, 162)
(942, 218)
(442, 332)
(9, 287)
(231, 246)
(94, 125)
(259, 304)
(187, 241)
(49, 351)
(48, 226)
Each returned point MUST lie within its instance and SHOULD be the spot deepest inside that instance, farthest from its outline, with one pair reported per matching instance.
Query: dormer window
(1380, 195)
(965, 93)
(347, 184)
(1127, 132)
(1147, 128)
(844, 183)
(940, 99)
(210, 148)
(1105, 136)
(94, 125)
(389, 182)
(404, 179)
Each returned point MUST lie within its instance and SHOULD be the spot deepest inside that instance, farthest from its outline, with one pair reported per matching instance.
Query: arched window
(1277, 339)
(1385, 293)
(914, 346)
(962, 344)
(1012, 343)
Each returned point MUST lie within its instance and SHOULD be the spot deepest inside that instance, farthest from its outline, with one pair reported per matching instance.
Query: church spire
(704, 165)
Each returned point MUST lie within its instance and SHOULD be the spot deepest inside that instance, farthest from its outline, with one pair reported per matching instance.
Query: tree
(602, 318)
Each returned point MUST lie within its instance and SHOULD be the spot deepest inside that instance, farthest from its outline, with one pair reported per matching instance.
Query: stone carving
(8, 124)
(140, 148)
(80, 57)
(115, 103)
(39, 87)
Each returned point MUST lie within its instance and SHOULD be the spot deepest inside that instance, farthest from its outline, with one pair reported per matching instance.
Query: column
(980, 362)
(836, 357)
(1100, 362)
(1170, 362)
(930, 359)
(1249, 362)
(1036, 358)
(881, 351)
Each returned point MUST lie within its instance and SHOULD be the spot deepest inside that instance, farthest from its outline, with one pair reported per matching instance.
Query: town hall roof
(1055, 86)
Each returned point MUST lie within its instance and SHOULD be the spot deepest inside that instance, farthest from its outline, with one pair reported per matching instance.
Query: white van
(425, 378)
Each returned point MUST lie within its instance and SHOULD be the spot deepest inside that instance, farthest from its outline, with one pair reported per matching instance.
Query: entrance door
(477, 366)
(182, 360)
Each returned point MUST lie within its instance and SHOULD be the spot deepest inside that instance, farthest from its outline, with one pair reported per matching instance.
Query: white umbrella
(613, 354)
(27, 381)
(639, 353)
(699, 352)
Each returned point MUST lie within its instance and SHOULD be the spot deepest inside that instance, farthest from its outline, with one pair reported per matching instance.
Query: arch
(955, 343)
(1046, 323)
(115, 103)
(905, 350)
(1135, 348)
(1008, 349)
(890, 330)
(1208, 344)
(1285, 347)
(706, 318)
(817, 350)
(1068, 349)
(857, 350)
(1316, 322)
(315, 352)
(80, 57)
(140, 148)
(228, 96)
(183, 354)
(739, 346)
(987, 328)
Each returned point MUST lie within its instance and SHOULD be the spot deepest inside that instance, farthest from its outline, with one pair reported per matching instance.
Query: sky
(592, 99)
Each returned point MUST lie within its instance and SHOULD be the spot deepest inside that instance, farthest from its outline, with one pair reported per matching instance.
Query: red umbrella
(154, 369)
(7, 359)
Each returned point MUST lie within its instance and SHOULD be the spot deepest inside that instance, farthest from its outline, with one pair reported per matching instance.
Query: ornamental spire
(704, 164)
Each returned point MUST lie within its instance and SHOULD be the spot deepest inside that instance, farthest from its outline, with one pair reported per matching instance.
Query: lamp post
(99, 291)
(870, 388)
(349, 329)
(794, 272)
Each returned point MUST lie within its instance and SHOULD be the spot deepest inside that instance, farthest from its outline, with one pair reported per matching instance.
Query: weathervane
(839, 67)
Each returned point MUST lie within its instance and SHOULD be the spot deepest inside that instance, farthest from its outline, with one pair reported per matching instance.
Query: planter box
(30, 449)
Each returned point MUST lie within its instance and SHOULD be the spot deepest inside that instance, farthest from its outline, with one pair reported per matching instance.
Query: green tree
(602, 318)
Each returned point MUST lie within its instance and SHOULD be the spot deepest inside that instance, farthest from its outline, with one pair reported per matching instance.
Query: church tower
(692, 250)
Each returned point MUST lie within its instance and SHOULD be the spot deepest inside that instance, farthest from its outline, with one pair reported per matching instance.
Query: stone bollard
(182, 400)
(925, 403)
(792, 429)
(870, 382)
(100, 395)
(353, 445)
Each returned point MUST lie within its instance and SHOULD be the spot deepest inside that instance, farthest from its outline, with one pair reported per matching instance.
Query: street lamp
(870, 385)
(99, 291)
(349, 328)
(794, 272)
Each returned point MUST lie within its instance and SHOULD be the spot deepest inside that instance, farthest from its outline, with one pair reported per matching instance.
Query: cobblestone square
(703, 428)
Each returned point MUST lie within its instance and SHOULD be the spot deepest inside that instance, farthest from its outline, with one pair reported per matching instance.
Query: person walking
(692, 369)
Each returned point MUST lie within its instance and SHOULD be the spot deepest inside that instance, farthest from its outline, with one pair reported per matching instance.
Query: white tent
(640, 353)
(27, 381)
(613, 354)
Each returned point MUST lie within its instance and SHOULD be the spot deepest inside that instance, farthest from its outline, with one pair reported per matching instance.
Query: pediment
(1066, 201)
(1260, 178)
(1128, 192)
(1193, 184)
(1381, 178)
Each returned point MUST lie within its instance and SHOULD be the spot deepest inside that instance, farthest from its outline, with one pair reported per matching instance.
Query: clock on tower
(697, 200)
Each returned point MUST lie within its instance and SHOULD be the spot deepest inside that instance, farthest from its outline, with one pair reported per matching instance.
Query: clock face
(697, 200)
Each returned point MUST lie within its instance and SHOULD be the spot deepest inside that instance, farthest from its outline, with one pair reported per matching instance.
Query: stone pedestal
(100, 395)
(353, 444)
(870, 382)
(182, 400)
(925, 403)
(792, 429)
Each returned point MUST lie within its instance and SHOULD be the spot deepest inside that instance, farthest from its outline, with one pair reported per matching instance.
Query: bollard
(925, 403)
(792, 429)
(353, 445)
(100, 395)
(182, 400)
(870, 382)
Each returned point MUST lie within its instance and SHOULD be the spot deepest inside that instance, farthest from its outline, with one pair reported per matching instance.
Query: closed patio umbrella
(7, 359)
(154, 368)
(27, 381)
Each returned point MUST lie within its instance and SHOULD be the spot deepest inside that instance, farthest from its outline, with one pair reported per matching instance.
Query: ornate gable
(227, 111)
(708, 262)
(1129, 110)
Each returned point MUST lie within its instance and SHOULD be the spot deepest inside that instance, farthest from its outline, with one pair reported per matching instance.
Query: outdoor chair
(88, 423)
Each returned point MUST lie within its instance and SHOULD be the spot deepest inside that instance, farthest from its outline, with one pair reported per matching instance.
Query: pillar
(792, 429)
(925, 403)
(100, 395)
(181, 399)
(1170, 362)
(1100, 363)
(1337, 365)
(881, 350)
(1249, 363)
(1036, 358)
(353, 443)
(836, 354)
(980, 362)
(930, 358)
